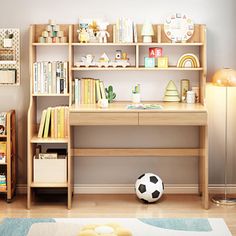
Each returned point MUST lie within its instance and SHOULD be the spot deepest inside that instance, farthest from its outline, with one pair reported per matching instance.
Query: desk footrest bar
(135, 152)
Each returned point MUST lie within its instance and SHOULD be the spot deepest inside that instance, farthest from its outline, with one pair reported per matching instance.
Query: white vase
(136, 98)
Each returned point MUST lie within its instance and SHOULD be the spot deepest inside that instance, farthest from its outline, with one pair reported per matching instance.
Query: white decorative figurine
(102, 33)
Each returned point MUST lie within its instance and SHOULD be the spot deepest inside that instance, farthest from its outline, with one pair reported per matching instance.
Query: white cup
(103, 103)
(136, 98)
(190, 97)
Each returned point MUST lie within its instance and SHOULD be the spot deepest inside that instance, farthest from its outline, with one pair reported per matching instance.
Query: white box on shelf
(50, 170)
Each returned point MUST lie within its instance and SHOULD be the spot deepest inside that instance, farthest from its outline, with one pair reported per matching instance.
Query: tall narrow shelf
(10, 164)
(35, 99)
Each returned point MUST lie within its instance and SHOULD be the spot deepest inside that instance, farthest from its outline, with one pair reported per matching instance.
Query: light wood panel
(48, 185)
(135, 152)
(35, 139)
(117, 205)
(184, 118)
(101, 118)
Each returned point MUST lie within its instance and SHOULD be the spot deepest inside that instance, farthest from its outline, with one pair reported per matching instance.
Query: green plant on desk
(110, 94)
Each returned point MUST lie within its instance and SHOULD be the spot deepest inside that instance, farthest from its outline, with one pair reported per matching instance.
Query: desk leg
(203, 168)
(70, 168)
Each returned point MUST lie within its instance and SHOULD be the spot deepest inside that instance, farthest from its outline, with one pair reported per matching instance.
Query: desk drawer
(173, 118)
(102, 118)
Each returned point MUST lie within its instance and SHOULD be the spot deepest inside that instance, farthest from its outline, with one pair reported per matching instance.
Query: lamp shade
(147, 29)
(224, 77)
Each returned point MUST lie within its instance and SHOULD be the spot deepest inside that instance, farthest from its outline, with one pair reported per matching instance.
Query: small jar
(191, 97)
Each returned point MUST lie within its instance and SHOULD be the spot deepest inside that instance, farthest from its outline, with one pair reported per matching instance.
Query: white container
(50, 170)
(136, 98)
(191, 97)
(7, 43)
(103, 103)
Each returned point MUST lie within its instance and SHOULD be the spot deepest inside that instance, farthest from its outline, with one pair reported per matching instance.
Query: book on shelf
(47, 155)
(3, 182)
(53, 123)
(124, 31)
(3, 121)
(88, 91)
(42, 123)
(3, 152)
(47, 122)
(50, 77)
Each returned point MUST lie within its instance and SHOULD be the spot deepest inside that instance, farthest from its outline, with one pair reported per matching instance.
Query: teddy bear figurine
(102, 33)
(112, 229)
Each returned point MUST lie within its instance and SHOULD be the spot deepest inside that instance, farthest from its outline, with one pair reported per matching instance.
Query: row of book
(54, 122)
(3, 119)
(124, 31)
(3, 182)
(87, 90)
(50, 77)
(3, 152)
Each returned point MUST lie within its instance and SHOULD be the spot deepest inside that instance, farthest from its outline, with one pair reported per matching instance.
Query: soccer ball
(149, 187)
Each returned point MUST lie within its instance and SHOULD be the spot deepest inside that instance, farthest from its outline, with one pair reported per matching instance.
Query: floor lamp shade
(225, 78)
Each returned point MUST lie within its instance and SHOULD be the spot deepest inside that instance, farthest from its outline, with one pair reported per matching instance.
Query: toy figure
(102, 33)
(83, 36)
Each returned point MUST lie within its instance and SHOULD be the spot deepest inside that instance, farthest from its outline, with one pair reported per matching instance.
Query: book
(52, 123)
(3, 122)
(141, 106)
(102, 89)
(3, 152)
(47, 155)
(47, 122)
(98, 93)
(42, 123)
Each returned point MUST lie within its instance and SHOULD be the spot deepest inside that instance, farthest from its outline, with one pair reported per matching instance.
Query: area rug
(138, 227)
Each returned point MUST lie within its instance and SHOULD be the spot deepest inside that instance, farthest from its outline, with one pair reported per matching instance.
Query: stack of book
(3, 182)
(88, 90)
(54, 122)
(50, 77)
(124, 31)
(3, 152)
(3, 118)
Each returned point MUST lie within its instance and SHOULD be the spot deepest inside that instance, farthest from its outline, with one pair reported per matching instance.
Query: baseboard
(129, 188)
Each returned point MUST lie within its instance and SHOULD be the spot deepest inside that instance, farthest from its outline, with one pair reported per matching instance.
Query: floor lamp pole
(225, 200)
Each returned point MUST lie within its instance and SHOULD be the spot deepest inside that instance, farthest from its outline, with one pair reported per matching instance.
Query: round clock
(178, 27)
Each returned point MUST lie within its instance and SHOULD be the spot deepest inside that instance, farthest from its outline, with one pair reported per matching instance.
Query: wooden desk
(176, 114)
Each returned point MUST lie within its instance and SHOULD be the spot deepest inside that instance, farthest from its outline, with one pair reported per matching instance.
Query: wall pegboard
(7, 61)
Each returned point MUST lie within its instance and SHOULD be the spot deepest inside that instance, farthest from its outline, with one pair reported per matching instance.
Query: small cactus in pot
(110, 94)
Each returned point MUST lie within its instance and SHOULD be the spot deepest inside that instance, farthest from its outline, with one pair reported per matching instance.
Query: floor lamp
(225, 78)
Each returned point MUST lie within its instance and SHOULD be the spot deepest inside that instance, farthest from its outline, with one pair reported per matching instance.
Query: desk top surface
(122, 107)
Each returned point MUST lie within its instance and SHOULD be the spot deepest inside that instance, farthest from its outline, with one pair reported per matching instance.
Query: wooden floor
(116, 206)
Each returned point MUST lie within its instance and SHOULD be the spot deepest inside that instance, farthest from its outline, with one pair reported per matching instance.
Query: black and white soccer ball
(149, 187)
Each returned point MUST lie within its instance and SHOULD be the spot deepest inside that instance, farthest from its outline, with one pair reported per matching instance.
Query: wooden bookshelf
(10, 165)
(173, 114)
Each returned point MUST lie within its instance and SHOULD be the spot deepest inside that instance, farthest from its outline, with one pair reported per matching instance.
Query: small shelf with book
(8, 154)
(49, 99)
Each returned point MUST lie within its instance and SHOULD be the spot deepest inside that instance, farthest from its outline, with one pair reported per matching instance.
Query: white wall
(218, 15)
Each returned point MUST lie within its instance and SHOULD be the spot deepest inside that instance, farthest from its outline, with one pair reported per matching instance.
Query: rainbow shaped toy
(188, 60)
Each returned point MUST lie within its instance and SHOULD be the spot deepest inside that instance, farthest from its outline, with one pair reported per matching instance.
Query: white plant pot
(7, 43)
(136, 98)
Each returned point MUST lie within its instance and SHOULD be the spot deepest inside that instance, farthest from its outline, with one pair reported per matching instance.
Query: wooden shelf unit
(187, 114)
(10, 139)
(33, 140)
